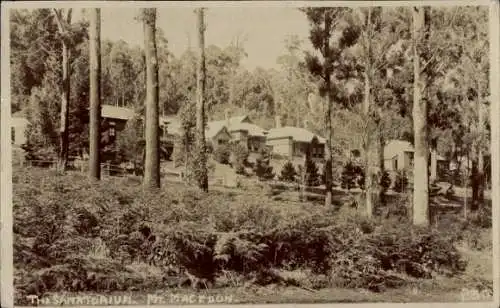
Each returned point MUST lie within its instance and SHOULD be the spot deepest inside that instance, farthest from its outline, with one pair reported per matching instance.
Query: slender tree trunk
(152, 159)
(478, 176)
(433, 176)
(366, 110)
(186, 156)
(381, 161)
(366, 146)
(202, 173)
(466, 185)
(328, 149)
(421, 167)
(95, 93)
(63, 25)
(65, 97)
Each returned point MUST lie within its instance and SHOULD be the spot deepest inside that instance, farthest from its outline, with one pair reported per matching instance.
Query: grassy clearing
(80, 237)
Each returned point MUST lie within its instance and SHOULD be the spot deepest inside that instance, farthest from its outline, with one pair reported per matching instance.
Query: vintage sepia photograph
(225, 153)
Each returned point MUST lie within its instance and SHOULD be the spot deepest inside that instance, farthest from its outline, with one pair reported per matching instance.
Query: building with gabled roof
(241, 129)
(293, 141)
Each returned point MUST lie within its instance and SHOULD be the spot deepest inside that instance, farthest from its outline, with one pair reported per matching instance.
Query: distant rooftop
(296, 133)
(400, 145)
(233, 121)
(213, 128)
(253, 130)
(115, 112)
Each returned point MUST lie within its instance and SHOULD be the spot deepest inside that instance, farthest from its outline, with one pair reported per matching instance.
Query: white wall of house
(398, 155)
(19, 135)
(389, 164)
(18, 131)
(281, 146)
(241, 136)
(400, 161)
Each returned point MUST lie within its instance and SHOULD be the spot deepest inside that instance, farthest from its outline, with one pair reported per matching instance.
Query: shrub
(312, 177)
(222, 154)
(401, 182)
(239, 157)
(75, 235)
(210, 147)
(334, 175)
(360, 177)
(385, 181)
(482, 217)
(288, 172)
(351, 175)
(375, 259)
(40, 156)
(262, 167)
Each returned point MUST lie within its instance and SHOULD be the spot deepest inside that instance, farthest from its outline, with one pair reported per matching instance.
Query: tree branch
(68, 18)
(57, 14)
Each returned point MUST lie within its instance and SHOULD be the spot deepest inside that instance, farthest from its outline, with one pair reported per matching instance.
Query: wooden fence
(107, 169)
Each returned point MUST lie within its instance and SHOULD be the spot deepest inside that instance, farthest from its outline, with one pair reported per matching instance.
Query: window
(13, 134)
(395, 163)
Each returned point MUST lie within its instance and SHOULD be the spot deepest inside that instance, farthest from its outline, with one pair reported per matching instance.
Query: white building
(18, 127)
(399, 154)
(293, 141)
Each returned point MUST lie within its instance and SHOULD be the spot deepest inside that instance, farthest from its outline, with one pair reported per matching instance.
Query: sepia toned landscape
(252, 155)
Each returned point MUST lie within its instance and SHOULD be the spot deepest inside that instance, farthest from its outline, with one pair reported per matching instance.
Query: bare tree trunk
(328, 148)
(95, 93)
(303, 183)
(421, 167)
(202, 173)
(366, 110)
(186, 156)
(466, 185)
(478, 175)
(381, 164)
(481, 177)
(63, 131)
(152, 159)
(63, 25)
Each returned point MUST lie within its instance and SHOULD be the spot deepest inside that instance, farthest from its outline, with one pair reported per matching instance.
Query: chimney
(304, 124)
(278, 121)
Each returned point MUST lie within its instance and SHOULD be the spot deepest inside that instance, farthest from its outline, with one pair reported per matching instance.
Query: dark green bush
(239, 160)
(352, 175)
(312, 173)
(288, 172)
(262, 168)
(222, 153)
(41, 157)
(401, 182)
(385, 181)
